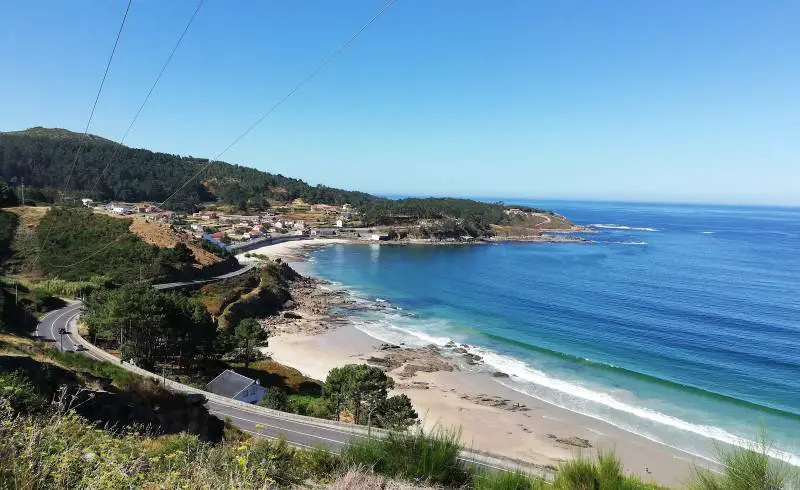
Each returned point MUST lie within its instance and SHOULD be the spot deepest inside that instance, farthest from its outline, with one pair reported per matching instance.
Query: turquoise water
(680, 323)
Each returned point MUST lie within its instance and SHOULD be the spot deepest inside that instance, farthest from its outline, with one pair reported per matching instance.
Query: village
(222, 227)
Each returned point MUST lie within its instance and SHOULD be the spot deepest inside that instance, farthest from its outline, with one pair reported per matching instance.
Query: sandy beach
(446, 391)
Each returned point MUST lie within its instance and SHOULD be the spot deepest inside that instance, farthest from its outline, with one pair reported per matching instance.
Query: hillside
(74, 244)
(43, 157)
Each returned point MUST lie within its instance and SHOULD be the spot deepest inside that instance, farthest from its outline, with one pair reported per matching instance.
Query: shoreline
(446, 391)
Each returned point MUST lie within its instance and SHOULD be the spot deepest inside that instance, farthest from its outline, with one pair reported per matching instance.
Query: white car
(79, 348)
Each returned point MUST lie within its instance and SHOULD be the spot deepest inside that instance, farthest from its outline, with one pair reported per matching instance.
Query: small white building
(234, 385)
(339, 223)
(299, 225)
(379, 237)
(87, 202)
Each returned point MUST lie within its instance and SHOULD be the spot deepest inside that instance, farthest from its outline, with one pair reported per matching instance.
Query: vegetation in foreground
(45, 445)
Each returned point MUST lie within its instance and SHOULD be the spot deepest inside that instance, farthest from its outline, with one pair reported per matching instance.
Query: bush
(507, 480)
(313, 406)
(276, 399)
(19, 394)
(748, 469)
(62, 451)
(603, 474)
(431, 457)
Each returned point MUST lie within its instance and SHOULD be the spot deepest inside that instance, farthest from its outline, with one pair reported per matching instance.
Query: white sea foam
(567, 395)
(521, 371)
(612, 226)
(632, 243)
(707, 232)
(532, 382)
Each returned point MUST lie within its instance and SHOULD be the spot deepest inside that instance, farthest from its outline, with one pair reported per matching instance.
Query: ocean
(680, 323)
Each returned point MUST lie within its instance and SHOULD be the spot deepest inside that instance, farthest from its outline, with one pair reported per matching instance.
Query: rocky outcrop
(426, 359)
(496, 401)
(268, 298)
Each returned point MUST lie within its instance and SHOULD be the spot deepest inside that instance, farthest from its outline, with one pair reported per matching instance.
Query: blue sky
(631, 100)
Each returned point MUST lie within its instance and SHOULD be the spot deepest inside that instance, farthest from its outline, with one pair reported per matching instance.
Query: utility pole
(23, 191)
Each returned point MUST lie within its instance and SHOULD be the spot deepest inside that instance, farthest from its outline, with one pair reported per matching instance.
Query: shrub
(313, 406)
(748, 469)
(506, 480)
(430, 457)
(276, 399)
(19, 394)
(603, 474)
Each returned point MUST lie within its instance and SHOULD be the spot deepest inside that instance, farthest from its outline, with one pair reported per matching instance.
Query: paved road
(298, 430)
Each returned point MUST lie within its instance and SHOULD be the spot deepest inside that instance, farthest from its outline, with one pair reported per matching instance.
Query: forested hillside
(105, 170)
(43, 157)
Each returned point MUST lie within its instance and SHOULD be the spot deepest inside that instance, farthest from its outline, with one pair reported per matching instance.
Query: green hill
(43, 157)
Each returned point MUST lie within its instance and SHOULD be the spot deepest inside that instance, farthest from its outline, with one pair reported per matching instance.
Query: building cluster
(322, 220)
(151, 211)
(232, 228)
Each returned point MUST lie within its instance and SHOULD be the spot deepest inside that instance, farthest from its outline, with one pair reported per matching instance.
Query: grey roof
(229, 383)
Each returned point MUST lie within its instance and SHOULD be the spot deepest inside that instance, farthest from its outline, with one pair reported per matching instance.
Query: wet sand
(491, 416)
(447, 391)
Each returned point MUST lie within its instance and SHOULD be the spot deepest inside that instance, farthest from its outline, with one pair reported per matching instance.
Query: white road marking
(283, 429)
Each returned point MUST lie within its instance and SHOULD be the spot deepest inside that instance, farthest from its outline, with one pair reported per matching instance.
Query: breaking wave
(612, 226)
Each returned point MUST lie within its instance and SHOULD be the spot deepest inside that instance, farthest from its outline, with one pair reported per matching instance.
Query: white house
(339, 223)
(87, 202)
(379, 237)
(299, 224)
(233, 385)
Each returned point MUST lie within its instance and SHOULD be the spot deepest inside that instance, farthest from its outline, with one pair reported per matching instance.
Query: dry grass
(272, 373)
(29, 216)
(15, 341)
(162, 236)
(364, 480)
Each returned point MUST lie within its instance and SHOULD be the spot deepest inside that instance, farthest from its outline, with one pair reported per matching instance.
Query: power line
(91, 116)
(97, 97)
(283, 99)
(258, 121)
(149, 93)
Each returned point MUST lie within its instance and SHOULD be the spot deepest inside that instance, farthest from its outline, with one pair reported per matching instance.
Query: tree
(396, 412)
(359, 387)
(149, 326)
(249, 334)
